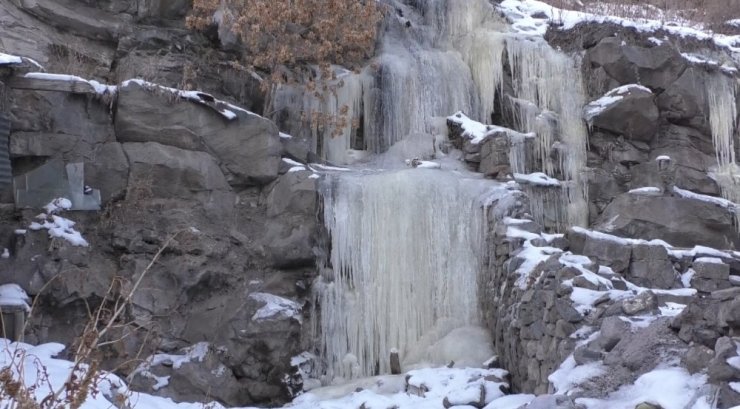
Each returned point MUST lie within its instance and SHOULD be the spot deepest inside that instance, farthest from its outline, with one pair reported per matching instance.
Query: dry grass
(708, 14)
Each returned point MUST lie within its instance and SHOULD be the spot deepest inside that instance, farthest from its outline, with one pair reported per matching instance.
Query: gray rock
(193, 380)
(697, 358)
(108, 171)
(646, 301)
(679, 221)
(495, 156)
(567, 312)
(613, 330)
(650, 267)
(656, 67)
(585, 354)
(291, 207)
(634, 115)
(248, 146)
(608, 252)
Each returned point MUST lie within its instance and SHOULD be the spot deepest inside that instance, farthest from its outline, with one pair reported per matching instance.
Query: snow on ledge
(99, 88)
(477, 132)
(58, 226)
(13, 295)
(647, 191)
(276, 308)
(687, 194)
(224, 108)
(7, 59)
(521, 14)
(595, 108)
(536, 178)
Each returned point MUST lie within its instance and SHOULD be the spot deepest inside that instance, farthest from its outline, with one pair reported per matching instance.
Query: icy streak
(404, 260)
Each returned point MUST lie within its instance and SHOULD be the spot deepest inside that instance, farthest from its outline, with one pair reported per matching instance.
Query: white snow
(58, 205)
(328, 167)
(532, 256)
(20, 232)
(536, 178)
(5, 253)
(687, 194)
(285, 135)
(296, 169)
(228, 110)
(9, 59)
(594, 108)
(686, 278)
(13, 295)
(292, 162)
(59, 227)
(662, 157)
(647, 191)
(569, 374)
(97, 86)
(671, 388)
(195, 353)
(671, 309)
(735, 387)
(477, 132)
(520, 12)
(276, 307)
(712, 260)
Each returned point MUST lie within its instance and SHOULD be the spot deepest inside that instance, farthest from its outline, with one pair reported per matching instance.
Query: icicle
(549, 206)
(721, 93)
(483, 52)
(392, 278)
(552, 81)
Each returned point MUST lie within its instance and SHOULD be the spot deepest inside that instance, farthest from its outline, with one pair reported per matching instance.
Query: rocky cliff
(608, 262)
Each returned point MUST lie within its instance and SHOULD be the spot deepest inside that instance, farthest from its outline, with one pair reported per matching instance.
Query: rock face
(655, 67)
(248, 147)
(679, 221)
(201, 184)
(629, 111)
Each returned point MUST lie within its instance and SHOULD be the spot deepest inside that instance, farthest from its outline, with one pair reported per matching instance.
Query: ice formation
(391, 280)
(721, 92)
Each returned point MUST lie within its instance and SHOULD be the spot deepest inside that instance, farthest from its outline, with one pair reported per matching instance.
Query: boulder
(247, 145)
(650, 267)
(680, 221)
(644, 302)
(655, 67)
(629, 110)
(494, 155)
(711, 274)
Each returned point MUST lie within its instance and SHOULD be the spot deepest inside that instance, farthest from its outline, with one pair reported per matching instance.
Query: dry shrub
(85, 377)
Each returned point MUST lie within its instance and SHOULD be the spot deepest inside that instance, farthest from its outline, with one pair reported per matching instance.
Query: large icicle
(721, 93)
(404, 263)
(553, 82)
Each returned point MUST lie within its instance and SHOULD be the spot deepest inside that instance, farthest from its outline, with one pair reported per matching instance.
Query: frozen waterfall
(404, 263)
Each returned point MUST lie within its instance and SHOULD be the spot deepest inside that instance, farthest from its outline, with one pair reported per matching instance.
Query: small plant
(85, 377)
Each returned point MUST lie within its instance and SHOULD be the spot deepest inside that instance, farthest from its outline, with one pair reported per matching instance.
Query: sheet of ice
(9, 59)
(536, 178)
(276, 308)
(671, 388)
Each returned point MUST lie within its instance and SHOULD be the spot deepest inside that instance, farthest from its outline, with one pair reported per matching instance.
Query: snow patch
(13, 295)
(276, 308)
